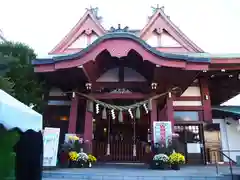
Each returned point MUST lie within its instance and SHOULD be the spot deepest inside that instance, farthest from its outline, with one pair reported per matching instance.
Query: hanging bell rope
(134, 138)
(123, 108)
(104, 113)
(108, 138)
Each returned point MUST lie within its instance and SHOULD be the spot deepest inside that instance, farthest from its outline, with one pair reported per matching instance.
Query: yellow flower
(92, 158)
(176, 158)
(73, 155)
(73, 138)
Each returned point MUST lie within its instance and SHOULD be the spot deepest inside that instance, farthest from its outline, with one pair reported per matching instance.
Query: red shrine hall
(157, 64)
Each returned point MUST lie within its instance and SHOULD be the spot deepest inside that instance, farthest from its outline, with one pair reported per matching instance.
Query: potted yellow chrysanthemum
(73, 157)
(91, 160)
(176, 159)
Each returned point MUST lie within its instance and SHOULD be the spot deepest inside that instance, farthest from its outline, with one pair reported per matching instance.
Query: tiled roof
(123, 35)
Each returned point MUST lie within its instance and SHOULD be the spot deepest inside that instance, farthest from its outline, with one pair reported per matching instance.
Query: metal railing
(230, 160)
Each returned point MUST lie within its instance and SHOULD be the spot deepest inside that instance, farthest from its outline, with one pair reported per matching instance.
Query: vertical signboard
(162, 132)
(50, 146)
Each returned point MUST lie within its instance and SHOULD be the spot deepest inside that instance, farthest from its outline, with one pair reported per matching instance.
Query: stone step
(112, 172)
(110, 176)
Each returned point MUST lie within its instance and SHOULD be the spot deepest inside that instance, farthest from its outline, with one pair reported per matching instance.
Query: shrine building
(157, 66)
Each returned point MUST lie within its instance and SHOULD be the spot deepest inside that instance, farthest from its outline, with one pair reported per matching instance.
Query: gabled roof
(122, 35)
(176, 32)
(76, 31)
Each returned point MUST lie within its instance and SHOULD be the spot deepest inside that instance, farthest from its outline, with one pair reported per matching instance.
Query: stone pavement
(140, 172)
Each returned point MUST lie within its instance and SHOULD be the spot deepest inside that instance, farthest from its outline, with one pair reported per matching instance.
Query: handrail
(229, 159)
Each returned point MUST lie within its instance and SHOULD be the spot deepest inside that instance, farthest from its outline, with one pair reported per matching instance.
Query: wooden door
(191, 142)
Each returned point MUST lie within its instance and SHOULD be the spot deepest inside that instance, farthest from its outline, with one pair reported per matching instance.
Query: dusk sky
(211, 24)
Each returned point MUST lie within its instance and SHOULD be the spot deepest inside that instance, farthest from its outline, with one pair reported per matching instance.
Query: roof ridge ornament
(155, 9)
(119, 29)
(94, 11)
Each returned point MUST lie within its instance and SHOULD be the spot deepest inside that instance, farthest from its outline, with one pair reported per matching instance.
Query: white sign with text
(50, 146)
(162, 132)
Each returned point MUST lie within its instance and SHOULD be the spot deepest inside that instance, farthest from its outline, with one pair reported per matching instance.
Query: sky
(212, 24)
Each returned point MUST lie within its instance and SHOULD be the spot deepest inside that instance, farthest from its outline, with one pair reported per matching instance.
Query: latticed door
(190, 142)
(126, 142)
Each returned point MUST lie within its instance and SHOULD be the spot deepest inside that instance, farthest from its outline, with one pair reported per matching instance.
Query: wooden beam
(119, 95)
(188, 108)
(91, 71)
(115, 85)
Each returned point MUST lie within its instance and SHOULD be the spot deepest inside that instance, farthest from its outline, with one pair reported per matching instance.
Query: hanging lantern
(90, 106)
(120, 116)
(130, 113)
(145, 108)
(97, 109)
(104, 113)
(113, 114)
(138, 113)
(150, 105)
(73, 95)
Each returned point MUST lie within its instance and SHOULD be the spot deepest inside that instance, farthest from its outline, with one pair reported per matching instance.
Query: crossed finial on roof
(155, 9)
(94, 11)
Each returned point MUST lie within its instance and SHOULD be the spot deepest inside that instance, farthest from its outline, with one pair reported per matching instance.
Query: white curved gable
(153, 40)
(80, 42)
(168, 41)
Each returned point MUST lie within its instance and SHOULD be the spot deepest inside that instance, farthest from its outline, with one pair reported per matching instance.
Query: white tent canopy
(14, 114)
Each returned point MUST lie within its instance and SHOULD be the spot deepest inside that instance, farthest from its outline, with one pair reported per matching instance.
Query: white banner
(162, 132)
(50, 146)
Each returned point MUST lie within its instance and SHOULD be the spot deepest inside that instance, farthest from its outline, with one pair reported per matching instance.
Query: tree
(5, 82)
(26, 88)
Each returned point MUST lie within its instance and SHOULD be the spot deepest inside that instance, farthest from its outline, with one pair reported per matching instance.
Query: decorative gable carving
(85, 31)
(172, 36)
(161, 38)
(93, 37)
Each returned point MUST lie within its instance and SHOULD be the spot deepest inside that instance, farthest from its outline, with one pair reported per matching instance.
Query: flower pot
(162, 166)
(175, 166)
(73, 164)
(158, 165)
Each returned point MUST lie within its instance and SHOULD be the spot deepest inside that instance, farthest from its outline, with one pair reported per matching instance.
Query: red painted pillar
(88, 130)
(206, 101)
(170, 110)
(153, 114)
(73, 115)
